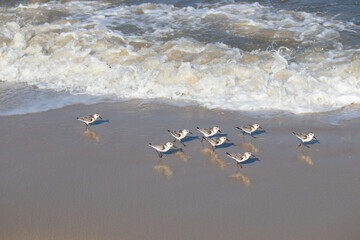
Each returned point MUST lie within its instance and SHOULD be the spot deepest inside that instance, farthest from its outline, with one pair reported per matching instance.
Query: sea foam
(155, 51)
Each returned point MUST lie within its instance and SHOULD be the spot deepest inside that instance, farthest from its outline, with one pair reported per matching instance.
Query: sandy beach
(152, 66)
(61, 181)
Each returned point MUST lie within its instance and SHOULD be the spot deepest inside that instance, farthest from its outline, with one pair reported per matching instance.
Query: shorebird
(249, 129)
(305, 138)
(178, 135)
(239, 158)
(89, 118)
(208, 132)
(162, 148)
(215, 141)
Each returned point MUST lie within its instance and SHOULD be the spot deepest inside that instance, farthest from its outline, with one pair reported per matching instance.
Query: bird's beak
(228, 140)
(219, 131)
(191, 133)
(315, 138)
(174, 146)
(260, 127)
(100, 117)
(252, 155)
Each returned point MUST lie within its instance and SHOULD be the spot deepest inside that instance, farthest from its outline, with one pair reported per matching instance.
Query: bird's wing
(175, 134)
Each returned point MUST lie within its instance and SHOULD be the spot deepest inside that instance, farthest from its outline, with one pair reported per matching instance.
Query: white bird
(239, 158)
(89, 118)
(178, 135)
(162, 148)
(305, 138)
(208, 132)
(249, 129)
(216, 141)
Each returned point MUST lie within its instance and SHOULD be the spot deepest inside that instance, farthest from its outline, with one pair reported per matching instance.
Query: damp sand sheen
(67, 185)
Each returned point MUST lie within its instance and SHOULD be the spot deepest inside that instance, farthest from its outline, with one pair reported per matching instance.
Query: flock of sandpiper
(208, 135)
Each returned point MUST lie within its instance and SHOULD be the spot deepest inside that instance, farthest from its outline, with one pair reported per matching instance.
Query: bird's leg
(202, 141)
(159, 153)
(182, 143)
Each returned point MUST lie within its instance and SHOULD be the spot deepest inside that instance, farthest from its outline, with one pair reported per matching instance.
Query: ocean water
(268, 56)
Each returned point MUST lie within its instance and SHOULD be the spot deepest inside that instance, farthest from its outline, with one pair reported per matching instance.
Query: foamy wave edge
(88, 58)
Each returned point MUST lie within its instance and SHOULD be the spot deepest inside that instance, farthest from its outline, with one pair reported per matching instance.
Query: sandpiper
(162, 148)
(239, 158)
(89, 118)
(208, 132)
(305, 138)
(249, 129)
(215, 141)
(179, 135)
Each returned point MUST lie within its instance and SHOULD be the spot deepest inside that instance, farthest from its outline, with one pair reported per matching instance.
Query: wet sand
(61, 181)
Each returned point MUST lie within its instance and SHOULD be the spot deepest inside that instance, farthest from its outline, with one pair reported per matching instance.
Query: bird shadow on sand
(189, 138)
(254, 134)
(172, 151)
(258, 132)
(226, 145)
(314, 141)
(308, 144)
(220, 135)
(251, 160)
(98, 122)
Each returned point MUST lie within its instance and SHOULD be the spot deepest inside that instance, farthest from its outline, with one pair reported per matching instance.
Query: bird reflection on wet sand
(214, 157)
(240, 177)
(163, 168)
(305, 158)
(90, 134)
(249, 147)
(182, 156)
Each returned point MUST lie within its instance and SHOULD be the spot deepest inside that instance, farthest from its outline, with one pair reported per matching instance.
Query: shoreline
(61, 181)
(334, 117)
